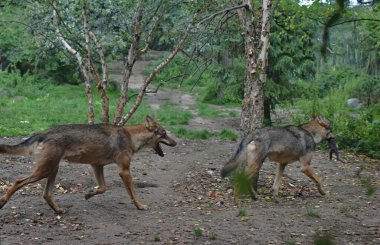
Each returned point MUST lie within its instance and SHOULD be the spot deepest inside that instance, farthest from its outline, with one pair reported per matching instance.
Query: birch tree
(256, 22)
(143, 29)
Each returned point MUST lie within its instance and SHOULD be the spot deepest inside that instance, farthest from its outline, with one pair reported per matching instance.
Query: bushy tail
(21, 149)
(235, 161)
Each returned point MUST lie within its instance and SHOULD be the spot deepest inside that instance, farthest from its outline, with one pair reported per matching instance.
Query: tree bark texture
(130, 60)
(256, 22)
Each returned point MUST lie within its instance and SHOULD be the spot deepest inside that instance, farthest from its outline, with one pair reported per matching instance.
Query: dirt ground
(188, 201)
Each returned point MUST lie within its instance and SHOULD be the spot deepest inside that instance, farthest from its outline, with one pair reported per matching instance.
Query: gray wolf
(97, 145)
(282, 145)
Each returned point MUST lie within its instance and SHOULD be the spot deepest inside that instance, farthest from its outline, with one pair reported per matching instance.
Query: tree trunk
(256, 51)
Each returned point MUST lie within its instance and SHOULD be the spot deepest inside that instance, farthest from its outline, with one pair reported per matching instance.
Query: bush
(356, 130)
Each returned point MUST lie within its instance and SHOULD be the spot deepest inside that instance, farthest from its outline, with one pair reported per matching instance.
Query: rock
(354, 103)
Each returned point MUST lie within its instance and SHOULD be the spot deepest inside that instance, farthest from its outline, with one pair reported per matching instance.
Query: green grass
(367, 184)
(213, 237)
(290, 242)
(242, 213)
(198, 232)
(28, 105)
(206, 111)
(156, 238)
(225, 134)
(347, 210)
(323, 239)
(242, 183)
(189, 134)
(170, 114)
(313, 213)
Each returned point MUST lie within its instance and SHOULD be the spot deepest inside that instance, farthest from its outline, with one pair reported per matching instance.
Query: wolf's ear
(311, 116)
(323, 121)
(149, 122)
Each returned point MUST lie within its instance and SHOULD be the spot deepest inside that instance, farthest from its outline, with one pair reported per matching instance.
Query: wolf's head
(159, 136)
(319, 127)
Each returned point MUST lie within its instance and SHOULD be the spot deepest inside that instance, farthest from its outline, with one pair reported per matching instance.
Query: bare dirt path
(189, 203)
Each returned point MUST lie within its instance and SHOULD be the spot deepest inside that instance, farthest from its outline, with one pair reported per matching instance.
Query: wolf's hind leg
(48, 195)
(308, 171)
(40, 173)
(278, 178)
(99, 175)
(255, 157)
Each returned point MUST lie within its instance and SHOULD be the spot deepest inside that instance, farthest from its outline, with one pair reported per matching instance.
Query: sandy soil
(189, 203)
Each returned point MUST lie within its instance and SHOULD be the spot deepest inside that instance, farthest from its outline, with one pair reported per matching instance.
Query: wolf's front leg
(126, 176)
(308, 171)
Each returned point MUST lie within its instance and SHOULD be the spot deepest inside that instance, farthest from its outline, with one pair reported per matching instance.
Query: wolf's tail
(235, 161)
(20, 149)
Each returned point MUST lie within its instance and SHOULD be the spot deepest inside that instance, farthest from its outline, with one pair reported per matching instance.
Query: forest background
(41, 81)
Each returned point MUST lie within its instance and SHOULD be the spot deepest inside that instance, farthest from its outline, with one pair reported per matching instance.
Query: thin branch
(200, 76)
(153, 14)
(155, 25)
(102, 60)
(187, 67)
(152, 75)
(87, 38)
(354, 20)
(101, 84)
(129, 63)
(245, 5)
(77, 55)
(191, 56)
(239, 11)
(149, 39)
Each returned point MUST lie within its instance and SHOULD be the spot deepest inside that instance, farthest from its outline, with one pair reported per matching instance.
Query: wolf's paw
(141, 206)
(322, 192)
(59, 211)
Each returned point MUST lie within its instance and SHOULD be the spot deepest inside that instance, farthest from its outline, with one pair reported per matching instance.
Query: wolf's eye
(159, 132)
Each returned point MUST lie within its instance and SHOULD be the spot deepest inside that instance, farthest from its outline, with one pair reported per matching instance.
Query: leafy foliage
(355, 129)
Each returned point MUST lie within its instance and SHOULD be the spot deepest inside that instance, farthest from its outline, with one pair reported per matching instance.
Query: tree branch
(239, 11)
(245, 5)
(129, 63)
(149, 39)
(155, 25)
(354, 20)
(83, 69)
(101, 84)
(152, 75)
